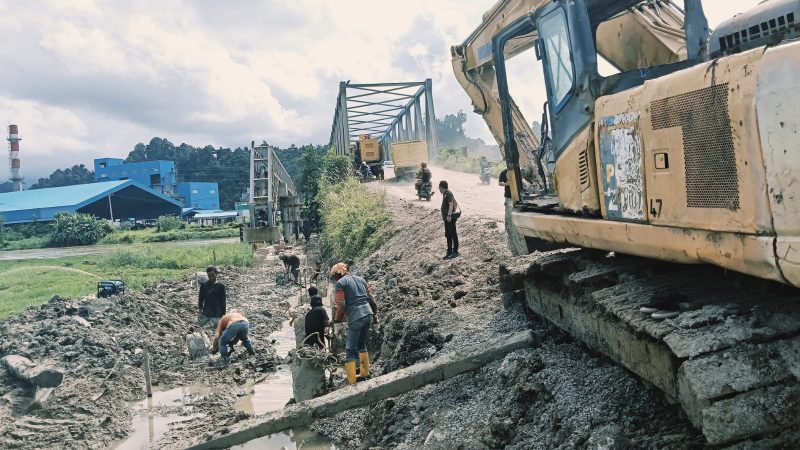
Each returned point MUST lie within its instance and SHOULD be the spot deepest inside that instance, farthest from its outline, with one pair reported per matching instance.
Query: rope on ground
(321, 356)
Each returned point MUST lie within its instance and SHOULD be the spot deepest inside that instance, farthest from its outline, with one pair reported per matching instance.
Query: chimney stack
(13, 156)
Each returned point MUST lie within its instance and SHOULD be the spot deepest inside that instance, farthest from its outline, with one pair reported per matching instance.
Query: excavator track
(731, 359)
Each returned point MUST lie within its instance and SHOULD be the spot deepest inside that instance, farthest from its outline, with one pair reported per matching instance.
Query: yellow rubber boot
(364, 357)
(350, 370)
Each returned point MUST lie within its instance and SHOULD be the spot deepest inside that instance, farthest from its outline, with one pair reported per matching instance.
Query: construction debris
(36, 374)
(401, 381)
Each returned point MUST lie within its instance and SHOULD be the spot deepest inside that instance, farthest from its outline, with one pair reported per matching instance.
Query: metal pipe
(148, 383)
(110, 209)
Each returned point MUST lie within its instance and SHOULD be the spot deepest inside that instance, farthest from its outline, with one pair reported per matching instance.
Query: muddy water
(274, 391)
(149, 426)
(151, 421)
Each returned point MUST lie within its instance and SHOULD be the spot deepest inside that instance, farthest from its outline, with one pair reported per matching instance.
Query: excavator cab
(563, 35)
(684, 154)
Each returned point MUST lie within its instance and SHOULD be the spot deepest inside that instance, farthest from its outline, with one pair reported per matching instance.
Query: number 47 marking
(655, 203)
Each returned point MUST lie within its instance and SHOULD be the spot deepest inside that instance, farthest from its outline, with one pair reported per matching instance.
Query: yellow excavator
(688, 153)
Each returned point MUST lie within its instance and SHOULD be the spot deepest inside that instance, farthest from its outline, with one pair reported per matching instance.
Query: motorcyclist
(483, 164)
(365, 170)
(423, 176)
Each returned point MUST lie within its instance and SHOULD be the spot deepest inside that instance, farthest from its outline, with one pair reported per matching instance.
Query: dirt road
(85, 250)
(475, 198)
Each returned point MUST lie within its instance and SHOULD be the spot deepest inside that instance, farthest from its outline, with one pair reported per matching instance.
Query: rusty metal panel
(621, 167)
(575, 178)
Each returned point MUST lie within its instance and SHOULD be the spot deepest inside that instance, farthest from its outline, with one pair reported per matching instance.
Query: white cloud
(85, 79)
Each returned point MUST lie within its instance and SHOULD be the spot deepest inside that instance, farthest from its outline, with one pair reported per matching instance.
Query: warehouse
(115, 200)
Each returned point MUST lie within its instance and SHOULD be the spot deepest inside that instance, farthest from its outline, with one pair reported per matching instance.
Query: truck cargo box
(370, 150)
(407, 155)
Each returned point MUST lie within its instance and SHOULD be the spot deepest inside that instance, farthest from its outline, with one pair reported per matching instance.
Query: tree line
(229, 167)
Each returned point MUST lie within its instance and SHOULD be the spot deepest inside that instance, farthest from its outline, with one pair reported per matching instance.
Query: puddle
(276, 389)
(296, 439)
(270, 394)
(149, 425)
(182, 397)
(149, 429)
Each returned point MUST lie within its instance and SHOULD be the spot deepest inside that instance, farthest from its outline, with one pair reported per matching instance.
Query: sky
(90, 78)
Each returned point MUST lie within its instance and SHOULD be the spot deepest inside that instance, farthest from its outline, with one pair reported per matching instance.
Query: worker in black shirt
(450, 214)
(291, 263)
(316, 320)
(212, 300)
(503, 181)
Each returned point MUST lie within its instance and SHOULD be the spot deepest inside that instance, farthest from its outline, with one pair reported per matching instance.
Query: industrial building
(160, 176)
(199, 194)
(113, 200)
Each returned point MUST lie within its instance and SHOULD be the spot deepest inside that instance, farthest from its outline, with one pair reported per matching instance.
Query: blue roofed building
(115, 200)
(158, 175)
(161, 177)
(199, 194)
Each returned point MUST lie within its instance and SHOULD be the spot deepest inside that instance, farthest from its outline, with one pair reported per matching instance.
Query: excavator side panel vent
(583, 170)
(710, 159)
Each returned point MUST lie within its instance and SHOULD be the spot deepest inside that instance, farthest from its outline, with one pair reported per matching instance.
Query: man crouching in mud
(232, 328)
(352, 302)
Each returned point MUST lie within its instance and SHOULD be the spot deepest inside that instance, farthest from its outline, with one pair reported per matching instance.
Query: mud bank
(557, 394)
(99, 345)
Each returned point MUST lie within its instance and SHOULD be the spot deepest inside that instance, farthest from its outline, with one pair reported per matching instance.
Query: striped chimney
(13, 156)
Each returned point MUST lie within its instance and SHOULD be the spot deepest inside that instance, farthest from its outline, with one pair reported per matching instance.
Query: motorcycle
(425, 191)
(365, 176)
(486, 175)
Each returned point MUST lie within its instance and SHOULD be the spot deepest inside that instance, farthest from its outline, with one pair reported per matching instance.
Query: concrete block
(197, 345)
(308, 379)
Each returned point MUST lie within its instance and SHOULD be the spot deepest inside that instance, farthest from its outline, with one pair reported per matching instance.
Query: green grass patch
(355, 221)
(27, 243)
(186, 234)
(25, 238)
(32, 282)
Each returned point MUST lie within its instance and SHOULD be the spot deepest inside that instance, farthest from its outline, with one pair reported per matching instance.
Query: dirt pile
(555, 395)
(99, 344)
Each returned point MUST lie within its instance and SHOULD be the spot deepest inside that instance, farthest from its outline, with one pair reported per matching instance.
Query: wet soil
(99, 345)
(557, 394)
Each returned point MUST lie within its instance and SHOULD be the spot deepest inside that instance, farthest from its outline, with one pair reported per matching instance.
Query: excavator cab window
(560, 72)
(564, 42)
